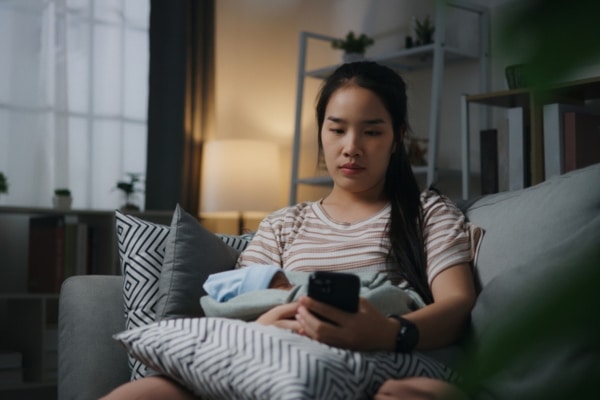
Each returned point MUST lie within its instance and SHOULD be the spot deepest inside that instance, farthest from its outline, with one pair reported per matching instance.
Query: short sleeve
(265, 247)
(449, 238)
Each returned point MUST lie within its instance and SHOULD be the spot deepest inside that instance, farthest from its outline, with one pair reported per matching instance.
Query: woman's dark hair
(406, 223)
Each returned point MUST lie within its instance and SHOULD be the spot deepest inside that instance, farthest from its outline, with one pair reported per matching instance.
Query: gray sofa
(534, 328)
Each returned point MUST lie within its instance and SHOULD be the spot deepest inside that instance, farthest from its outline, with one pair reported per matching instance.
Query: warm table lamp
(240, 175)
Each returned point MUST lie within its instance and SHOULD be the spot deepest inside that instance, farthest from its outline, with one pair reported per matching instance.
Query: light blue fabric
(225, 285)
(375, 287)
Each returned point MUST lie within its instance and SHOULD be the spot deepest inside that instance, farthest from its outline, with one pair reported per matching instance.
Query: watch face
(408, 336)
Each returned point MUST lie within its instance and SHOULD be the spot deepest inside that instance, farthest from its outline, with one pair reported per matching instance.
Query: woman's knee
(150, 388)
(419, 388)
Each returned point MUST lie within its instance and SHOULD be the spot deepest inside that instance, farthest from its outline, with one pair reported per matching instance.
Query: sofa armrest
(90, 362)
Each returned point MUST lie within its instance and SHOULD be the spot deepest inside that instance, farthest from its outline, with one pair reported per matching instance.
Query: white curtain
(73, 97)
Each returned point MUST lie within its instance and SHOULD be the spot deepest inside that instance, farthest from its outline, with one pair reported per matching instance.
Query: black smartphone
(338, 289)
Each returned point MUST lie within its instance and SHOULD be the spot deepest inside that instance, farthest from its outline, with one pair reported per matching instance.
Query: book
(582, 140)
(51, 337)
(83, 251)
(11, 376)
(503, 155)
(10, 359)
(71, 239)
(553, 124)
(518, 149)
(46, 254)
(489, 160)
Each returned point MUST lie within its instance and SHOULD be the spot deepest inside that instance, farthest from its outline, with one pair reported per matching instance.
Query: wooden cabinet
(531, 102)
(28, 321)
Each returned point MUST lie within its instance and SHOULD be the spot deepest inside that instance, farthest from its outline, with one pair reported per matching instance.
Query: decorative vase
(62, 202)
(352, 57)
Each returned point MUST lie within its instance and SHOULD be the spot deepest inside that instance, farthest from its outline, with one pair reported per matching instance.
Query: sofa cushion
(192, 253)
(533, 335)
(521, 226)
(220, 358)
(535, 331)
(141, 252)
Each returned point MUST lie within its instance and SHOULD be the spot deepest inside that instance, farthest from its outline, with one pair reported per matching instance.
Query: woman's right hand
(282, 316)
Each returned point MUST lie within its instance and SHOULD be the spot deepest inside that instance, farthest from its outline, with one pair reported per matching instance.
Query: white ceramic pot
(62, 202)
(352, 57)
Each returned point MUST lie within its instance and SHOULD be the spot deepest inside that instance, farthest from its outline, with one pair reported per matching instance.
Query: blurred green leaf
(552, 37)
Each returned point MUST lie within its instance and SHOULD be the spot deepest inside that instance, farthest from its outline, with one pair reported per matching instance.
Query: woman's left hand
(367, 329)
(281, 316)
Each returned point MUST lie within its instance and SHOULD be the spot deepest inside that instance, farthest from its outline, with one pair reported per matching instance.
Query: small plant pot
(352, 57)
(130, 207)
(62, 202)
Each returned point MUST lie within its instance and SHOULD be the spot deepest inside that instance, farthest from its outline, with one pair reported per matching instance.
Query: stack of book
(571, 138)
(59, 246)
(11, 368)
(506, 154)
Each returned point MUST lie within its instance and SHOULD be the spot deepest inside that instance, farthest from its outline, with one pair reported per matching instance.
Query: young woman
(375, 218)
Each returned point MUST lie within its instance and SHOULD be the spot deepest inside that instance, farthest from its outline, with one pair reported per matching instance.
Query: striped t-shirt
(304, 238)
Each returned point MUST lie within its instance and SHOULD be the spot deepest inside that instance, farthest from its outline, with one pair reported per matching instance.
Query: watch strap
(408, 335)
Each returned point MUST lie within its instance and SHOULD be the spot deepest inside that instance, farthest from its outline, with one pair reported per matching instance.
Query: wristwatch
(408, 335)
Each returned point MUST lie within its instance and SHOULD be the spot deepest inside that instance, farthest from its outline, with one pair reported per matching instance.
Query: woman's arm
(439, 323)
(444, 321)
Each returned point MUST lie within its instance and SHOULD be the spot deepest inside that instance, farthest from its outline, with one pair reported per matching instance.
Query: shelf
(29, 320)
(82, 212)
(531, 100)
(327, 181)
(27, 385)
(404, 60)
(432, 56)
(28, 296)
(318, 181)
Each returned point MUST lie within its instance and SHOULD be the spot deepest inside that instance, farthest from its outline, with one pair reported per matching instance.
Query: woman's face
(358, 140)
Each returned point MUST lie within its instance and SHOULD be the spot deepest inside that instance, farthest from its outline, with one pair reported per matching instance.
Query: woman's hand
(281, 316)
(368, 329)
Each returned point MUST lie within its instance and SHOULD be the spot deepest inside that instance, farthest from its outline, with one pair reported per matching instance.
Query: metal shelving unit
(433, 56)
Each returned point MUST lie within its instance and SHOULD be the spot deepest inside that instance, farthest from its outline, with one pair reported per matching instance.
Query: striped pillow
(220, 358)
(142, 247)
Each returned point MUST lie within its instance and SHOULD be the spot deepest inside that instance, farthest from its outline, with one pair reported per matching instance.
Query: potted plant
(424, 30)
(62, 199)
(354, 47)
(129, 188)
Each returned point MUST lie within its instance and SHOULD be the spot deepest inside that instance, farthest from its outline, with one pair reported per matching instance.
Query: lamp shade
(240, 175)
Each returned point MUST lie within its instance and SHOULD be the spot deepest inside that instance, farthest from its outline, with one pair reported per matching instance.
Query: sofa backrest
(546, 223)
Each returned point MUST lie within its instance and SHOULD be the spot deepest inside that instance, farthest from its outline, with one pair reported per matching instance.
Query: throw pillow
(239, 243)
(192, 253)
(232, 359)
(141, 252)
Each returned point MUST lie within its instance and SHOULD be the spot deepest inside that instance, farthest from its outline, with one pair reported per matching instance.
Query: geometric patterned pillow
(141, 253)
(218, 358)
(238, 243)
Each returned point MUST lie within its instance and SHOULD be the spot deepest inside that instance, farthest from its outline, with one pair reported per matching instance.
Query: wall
(256, 62)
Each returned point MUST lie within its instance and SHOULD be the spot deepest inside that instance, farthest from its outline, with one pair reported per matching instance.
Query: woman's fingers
(323, 322)
(278, 313)
(367, 329)
(324, 311)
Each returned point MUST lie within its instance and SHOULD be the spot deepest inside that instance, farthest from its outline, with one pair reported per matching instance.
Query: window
(73, 98)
